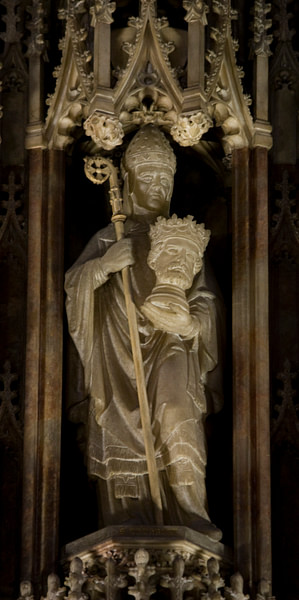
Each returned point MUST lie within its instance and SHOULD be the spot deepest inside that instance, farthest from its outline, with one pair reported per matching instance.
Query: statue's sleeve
(81, 281)
(207, 307)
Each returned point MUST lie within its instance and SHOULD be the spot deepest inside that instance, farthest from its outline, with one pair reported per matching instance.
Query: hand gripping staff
(98, 169)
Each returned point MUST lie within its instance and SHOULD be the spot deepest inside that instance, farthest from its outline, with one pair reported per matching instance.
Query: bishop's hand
(117, 257)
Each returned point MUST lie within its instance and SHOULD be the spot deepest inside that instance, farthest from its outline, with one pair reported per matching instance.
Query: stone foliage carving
(106, 132)
(188, 130)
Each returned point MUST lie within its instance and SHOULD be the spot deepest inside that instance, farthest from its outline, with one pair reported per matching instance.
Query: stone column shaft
(32, 407)
(260, 367)
(43, 388)
(241, 345)
(251, 435)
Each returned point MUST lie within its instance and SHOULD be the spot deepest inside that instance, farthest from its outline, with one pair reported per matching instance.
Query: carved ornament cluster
(149, 84)
(106, 132)
(187, 131)
(143, 574)
(147, 103)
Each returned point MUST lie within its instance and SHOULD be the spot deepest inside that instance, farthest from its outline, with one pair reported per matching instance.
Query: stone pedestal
(143, 560)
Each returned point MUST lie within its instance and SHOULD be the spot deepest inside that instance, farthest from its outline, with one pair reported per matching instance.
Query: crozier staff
(176, 367)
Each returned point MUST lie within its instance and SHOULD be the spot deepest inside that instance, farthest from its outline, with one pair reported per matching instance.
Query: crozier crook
(98, 170)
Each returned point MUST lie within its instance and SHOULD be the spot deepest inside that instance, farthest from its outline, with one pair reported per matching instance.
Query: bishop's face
(178, 262)
(151, 186)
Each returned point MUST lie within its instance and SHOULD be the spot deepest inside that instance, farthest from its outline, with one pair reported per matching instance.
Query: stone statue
(180, 351)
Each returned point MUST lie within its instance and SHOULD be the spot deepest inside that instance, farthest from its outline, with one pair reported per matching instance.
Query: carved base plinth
(141, 561)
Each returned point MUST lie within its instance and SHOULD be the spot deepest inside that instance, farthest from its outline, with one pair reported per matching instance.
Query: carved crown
(165, 229)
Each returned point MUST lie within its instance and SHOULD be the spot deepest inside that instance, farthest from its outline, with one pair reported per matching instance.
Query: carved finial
(261, 39)
(36, 46)
(11, 206)
(264, 590)
(177, 584)
(26, 590)
(111, 583)
(74, 14)
(8, 396)
(143, 589)
(235, 592)
(213, 580)
(287, 212)
(54, 591)
(286, 408)
(102, 11)
(76, 580)
(196, 10)
(282, 16)
(11, 35)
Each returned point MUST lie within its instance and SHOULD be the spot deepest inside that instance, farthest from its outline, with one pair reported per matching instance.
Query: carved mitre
(177, 248)
(149, 146)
